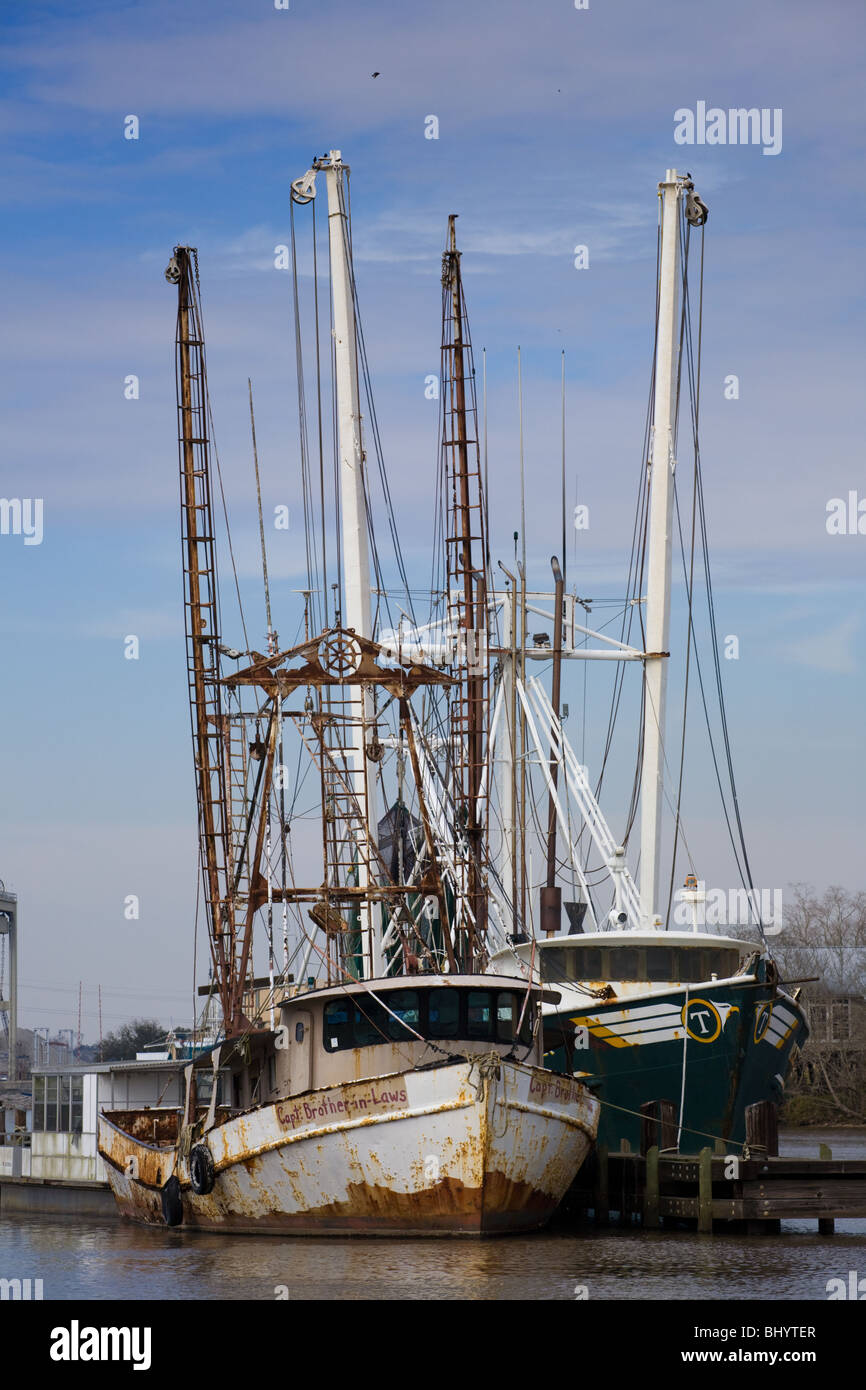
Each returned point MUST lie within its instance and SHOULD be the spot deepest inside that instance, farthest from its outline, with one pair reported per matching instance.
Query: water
(106, 1259)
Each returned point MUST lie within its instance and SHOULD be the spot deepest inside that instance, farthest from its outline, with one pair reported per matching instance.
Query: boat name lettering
(555, 1089)
(369, 1102)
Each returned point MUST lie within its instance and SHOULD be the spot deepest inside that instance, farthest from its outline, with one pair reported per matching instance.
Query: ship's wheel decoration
(340, 654)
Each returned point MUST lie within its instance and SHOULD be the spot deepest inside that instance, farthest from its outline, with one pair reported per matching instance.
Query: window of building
(51, 1103)
(64, 1099)
(38, 1104)
(840, 1020)
(76, 1122)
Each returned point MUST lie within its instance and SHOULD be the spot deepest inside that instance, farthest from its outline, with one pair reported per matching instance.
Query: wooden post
(651, 1218)
(762, 1128)
(705, 1192)
(602, 1200)
(720, 1147)
(826, 1224)
(658, 1125)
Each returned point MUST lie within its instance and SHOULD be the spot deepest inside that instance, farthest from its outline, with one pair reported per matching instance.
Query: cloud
(833, 649)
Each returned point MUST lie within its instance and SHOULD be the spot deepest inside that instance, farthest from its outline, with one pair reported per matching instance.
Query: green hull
(715, 1051)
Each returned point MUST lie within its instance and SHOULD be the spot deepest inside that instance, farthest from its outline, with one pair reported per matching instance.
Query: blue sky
(555, 126)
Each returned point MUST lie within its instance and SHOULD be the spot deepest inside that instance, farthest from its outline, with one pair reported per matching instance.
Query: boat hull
(735, 1051)
(482, 1146)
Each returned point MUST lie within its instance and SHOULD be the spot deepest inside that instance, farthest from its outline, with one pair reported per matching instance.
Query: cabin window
(506, 1018)
(624, 963)
(555, 964)
(691, 965)
(479, 1014)
(518, 1003)
(369, 1027)
(571, 963)
(299, 1032)
(338, 1028)
(586, 963)
(443, 1008)
(403, 1003)
(443, 1012)
(660, 963)
(720, 963)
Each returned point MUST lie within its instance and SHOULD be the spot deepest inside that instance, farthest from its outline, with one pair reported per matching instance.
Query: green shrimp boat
(648, 1012)
(693, 1018)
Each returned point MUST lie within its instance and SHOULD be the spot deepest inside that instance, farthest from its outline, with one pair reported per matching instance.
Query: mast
(231, 841)
(551, 894)
(201, 609)
(356, 614)
(467, 592)
(662, 468)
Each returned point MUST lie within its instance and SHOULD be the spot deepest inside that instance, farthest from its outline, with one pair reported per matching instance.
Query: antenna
(564, 550)
(522, 470)
(272, 636)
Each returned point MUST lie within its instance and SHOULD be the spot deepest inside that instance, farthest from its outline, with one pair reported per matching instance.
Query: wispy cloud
(831, 649)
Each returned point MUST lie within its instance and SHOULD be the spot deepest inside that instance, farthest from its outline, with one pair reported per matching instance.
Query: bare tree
(825, 936)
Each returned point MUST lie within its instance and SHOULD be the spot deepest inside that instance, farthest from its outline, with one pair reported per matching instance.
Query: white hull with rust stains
(473, 1147)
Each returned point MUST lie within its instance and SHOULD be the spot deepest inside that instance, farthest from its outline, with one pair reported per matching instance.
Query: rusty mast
(467, 598)
(230, 847)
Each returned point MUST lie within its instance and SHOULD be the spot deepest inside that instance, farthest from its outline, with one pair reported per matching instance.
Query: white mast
(658, 602)
(357, 610)
(357, 605)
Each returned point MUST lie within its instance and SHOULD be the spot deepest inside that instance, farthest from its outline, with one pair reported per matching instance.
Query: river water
(109, 1259)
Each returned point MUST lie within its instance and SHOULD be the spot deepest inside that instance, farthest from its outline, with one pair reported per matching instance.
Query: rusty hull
(475, 1147)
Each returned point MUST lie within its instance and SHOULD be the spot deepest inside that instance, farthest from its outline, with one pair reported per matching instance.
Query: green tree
(131, 1038)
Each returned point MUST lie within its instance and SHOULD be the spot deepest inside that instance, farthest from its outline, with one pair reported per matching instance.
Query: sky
(553, 128)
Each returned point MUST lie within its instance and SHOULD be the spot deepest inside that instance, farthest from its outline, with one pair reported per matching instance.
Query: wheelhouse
(445, 1014)
(631, 964)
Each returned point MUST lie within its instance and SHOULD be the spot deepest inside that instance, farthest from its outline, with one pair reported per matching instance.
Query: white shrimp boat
(390, 1085)
(481, 1144)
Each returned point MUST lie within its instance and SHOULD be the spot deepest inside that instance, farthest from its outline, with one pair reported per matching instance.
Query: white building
(66, 1101)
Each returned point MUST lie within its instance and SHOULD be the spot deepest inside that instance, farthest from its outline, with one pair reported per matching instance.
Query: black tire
(201, 1169)
(172, 1203)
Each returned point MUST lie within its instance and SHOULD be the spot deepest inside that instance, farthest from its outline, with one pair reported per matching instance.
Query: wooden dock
(714, 1190)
